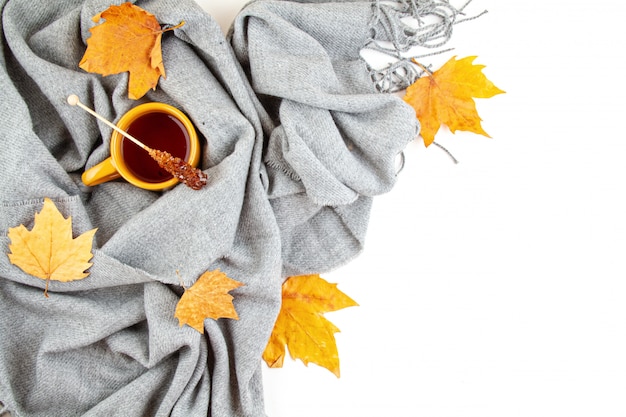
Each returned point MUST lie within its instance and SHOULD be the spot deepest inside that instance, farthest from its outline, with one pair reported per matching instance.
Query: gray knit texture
(296, 142)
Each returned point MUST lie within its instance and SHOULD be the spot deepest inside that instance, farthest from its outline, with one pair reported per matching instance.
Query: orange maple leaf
(207, 298)
(48, 251)
(301, 325)
(446, 97)
(128, 40)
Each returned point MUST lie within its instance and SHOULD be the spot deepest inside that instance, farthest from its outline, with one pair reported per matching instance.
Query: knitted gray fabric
(296, 142)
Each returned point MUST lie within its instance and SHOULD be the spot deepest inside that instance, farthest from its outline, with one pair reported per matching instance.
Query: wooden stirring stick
(179, 168)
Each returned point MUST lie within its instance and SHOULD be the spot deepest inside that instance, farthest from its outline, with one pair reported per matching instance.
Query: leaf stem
(168, 27)
(180, 280)
(422, 67)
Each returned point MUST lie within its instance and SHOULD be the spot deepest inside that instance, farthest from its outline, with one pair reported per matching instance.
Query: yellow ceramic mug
(157, 125)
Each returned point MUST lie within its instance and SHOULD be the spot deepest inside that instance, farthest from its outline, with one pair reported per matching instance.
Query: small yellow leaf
(128, 40)
(447, 97)
(48, 251)
(301, 325)
(207, 298)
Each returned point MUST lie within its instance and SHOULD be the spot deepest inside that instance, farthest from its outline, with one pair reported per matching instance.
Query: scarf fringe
(400, 27)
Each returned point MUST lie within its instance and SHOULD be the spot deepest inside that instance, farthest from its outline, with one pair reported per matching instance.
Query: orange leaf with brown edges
(207, 298)
(128, 40)
(48, 250)
(301, 326)
(447, 97)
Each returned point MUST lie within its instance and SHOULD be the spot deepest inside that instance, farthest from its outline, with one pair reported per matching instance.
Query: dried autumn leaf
(128, 40)
(207, 298)
(48, 251)
(447, 97)
(301, 325)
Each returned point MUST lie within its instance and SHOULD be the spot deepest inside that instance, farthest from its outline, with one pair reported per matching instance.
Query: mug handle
(102, 172)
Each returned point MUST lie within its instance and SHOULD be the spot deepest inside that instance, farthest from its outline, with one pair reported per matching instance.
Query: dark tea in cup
(157, 125)
(159, 131)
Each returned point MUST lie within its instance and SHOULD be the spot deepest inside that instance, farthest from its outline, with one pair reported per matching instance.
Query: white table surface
(495, 287)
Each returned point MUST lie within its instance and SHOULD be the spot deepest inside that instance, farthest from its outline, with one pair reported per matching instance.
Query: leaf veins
(48, 251)
(207, 298)
(301, 326)
(447, 97)
(128, 40)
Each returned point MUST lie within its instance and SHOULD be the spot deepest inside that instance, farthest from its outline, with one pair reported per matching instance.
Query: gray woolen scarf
(297, 140)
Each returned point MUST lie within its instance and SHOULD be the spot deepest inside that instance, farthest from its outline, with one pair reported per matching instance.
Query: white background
(495, 287)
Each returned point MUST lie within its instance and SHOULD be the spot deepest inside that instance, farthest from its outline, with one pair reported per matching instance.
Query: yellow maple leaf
(128, 40)
(48, 251)
(447, 97)
(301, 325)
(207, 298)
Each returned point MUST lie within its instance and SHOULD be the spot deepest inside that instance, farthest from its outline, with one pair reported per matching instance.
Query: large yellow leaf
(301, 325)
(207, 298)
(128, 40)
(48, 251)
(447, 97)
